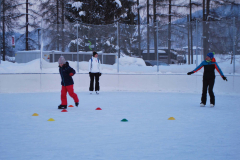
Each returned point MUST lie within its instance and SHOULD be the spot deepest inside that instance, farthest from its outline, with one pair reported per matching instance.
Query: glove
(189, 73)
(70, 74)
(100, 74)
(224, 78)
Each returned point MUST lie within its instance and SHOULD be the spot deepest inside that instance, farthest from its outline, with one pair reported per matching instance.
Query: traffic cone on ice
(35, 114)
(98, 108)
(64, 110)
(124, 120)
(171, 118)
(51, 119)
(70, 106)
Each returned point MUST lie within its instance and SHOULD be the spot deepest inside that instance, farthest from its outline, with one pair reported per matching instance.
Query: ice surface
(84, 133)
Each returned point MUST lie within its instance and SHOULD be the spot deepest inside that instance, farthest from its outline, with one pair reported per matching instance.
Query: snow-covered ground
(84, 133)
(127, 65)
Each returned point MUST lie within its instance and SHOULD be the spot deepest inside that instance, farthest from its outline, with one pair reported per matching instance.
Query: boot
(76, 104)
(62, 107)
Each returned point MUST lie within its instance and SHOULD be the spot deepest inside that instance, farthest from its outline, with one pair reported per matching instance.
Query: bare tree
(10, 15)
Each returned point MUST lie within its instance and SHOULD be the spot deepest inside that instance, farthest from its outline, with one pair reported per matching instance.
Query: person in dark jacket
(66, 73)
(209, 65)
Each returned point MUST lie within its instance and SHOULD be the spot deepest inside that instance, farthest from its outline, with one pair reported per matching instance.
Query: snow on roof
(119, 3)
(153, 51)
(77, 5)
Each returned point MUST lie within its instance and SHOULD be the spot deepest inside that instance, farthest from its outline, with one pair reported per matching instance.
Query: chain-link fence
(156, 48)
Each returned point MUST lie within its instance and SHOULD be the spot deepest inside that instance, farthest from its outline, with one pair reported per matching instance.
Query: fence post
(102, 58)
(41, 45)
(118, 47)
(53, 56)
(157, 49)
(234, 43)
(77, 50)
(197, 44)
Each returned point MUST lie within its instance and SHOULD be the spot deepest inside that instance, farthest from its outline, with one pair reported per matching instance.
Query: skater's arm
(71, 71)
(219, 70)
(198, 67)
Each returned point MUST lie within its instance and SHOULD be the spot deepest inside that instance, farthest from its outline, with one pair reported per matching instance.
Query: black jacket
(64, 71)
(209, 69)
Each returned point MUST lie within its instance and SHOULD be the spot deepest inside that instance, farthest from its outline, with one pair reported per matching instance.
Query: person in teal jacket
(209, 65)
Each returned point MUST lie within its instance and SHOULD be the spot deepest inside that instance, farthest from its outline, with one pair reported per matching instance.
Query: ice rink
(85, 133)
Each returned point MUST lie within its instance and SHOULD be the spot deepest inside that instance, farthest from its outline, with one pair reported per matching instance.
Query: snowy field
(84, 133)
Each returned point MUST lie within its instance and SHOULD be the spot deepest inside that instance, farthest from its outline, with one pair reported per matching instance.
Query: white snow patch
(127, 65)
(82, 13)
(108, 43)
(77, 5)
(126, 61)
(119, 3)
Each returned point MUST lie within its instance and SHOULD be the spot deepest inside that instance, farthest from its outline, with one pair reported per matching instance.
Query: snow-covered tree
(99, 12)
(102, 12)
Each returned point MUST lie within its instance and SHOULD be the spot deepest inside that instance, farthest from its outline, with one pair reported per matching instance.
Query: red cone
(98, 108)
(64, 110)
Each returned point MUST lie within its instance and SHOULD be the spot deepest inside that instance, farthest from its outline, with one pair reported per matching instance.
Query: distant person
(209, 65)
(66, 73)
(94, 72)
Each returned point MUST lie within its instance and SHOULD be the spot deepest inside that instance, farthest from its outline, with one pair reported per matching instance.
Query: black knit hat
(94, 53)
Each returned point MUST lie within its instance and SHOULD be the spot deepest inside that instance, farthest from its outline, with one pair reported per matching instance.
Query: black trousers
(208, 83)
(96, 76)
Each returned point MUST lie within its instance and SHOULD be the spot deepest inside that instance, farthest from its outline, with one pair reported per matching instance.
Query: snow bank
(127, 65)
(126, 61)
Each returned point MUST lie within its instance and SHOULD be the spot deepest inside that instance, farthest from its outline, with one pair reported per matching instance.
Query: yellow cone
(171, 118)
(51, 119)
(35, 114)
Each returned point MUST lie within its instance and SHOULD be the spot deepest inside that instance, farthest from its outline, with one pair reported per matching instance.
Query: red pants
(70, 91)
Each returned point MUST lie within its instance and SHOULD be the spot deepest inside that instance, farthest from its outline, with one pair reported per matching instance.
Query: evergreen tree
(102, 12)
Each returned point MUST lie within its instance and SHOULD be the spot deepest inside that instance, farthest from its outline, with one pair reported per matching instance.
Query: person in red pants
(66, 73)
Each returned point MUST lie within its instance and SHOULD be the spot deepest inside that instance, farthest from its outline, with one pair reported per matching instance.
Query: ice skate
(62, 107)
(211, 105)
(202, 105)
(76, 104)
